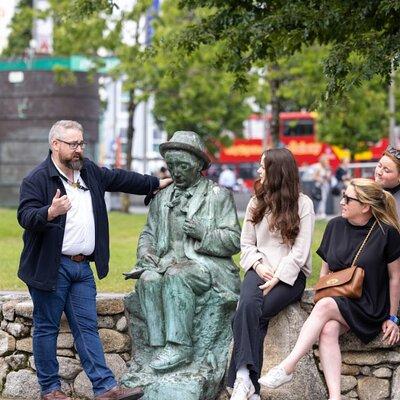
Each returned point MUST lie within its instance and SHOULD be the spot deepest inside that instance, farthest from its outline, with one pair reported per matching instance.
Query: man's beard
(75, 165)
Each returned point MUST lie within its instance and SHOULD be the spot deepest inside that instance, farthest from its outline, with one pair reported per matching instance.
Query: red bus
(297, 132)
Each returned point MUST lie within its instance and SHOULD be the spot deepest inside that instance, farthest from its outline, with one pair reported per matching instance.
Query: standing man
(64, 215)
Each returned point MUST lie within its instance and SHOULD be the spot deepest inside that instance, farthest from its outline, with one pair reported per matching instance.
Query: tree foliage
(191, 93)
(267, 30)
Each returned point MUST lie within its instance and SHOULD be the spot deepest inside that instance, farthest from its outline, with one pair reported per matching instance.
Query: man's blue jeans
(76, 296)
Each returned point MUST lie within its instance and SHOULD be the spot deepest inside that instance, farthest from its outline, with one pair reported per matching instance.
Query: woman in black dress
(363, 203)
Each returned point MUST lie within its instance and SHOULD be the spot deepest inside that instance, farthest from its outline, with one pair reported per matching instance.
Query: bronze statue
(188, 285)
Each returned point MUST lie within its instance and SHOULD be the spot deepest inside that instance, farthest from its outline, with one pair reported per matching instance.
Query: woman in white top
(275, 244)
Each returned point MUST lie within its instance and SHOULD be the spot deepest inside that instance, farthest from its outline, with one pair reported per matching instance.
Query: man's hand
(59, 206)
(390, 332)
(264, 271)
(165, 182)
(193, 228)
(268, 286)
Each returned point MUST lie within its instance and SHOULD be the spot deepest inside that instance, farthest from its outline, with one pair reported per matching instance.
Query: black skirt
(338, 248)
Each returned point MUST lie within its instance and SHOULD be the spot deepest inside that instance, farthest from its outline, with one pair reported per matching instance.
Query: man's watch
(395, 319)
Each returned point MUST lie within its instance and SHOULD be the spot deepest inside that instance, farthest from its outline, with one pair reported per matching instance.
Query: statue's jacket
(215, 207)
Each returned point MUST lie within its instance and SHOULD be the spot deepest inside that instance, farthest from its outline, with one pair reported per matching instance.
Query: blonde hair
(382, 203)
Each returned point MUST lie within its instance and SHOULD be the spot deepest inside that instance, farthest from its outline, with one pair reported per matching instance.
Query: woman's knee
(330, 332)
(325, 306)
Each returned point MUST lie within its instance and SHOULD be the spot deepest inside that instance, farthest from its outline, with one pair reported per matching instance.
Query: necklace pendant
(75, 185)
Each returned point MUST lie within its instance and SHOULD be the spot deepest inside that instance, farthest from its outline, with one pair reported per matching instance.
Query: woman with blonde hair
(387, 173)
(366, 207)
(275, 253)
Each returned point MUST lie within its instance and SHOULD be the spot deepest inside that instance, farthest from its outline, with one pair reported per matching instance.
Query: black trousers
(250, 322)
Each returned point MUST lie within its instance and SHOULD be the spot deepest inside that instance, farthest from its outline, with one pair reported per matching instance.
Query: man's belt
(76, 258)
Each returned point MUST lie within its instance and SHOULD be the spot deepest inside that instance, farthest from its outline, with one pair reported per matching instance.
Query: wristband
(256, 264)
(394, 319)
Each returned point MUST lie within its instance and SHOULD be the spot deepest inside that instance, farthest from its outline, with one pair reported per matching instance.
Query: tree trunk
(125, 197)
(274, 83)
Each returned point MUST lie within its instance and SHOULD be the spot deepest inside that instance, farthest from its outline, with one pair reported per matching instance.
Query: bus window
(298, 127)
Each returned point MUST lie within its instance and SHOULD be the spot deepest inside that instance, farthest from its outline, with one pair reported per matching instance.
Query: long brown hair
(382, 203)
(278, 195)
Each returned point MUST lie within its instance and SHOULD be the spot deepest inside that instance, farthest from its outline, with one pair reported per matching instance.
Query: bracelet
(394, 319)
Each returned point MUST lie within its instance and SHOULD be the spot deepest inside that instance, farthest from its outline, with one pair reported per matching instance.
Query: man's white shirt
(79, 234)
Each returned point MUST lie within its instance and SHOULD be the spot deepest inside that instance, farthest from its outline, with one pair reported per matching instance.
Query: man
(185, 250)
(63, 212)
(227, 178)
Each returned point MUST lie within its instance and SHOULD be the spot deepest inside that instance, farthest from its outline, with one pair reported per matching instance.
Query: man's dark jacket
(40, 258)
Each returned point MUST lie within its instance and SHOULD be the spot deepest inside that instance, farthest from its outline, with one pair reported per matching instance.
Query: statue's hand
(147, 262)
(193, 228)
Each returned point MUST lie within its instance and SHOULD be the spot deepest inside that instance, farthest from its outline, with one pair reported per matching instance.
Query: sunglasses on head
(347, 198)
(394, 152)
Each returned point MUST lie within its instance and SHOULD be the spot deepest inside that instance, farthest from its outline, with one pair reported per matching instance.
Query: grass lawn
(124, 232)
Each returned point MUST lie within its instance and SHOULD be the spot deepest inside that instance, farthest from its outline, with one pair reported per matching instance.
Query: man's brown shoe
(120, 393)
(55, 395)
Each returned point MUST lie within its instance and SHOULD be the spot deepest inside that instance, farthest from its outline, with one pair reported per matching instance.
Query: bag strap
(363, 244)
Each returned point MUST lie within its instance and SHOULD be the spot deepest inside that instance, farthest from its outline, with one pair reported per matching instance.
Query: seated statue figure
(189, 284)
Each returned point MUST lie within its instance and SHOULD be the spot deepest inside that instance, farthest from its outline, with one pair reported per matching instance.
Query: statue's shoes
(172, 356)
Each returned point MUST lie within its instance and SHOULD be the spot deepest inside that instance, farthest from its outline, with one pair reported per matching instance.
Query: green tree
(266, 31)
(192, 93)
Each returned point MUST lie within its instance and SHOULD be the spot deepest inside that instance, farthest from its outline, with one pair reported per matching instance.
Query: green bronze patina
(188, 286)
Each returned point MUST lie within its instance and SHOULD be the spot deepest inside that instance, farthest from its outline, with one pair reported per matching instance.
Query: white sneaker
(255, 397)
(275, 377)
(242, 389)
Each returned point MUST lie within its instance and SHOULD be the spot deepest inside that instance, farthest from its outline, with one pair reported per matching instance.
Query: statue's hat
(187, 141)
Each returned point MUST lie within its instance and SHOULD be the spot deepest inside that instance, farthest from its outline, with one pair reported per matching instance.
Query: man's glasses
(74, 145)
(348, 198)
(394, 152)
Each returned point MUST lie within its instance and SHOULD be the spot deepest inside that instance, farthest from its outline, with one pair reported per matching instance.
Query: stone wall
(368, 372)
(17, 365)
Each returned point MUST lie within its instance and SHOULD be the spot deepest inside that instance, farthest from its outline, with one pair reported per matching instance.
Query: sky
(6, 12)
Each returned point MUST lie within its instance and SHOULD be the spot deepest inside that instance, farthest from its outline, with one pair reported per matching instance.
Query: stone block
(350, 342)
(350, 369)
(65, 341)
(117, 365)
(371, 358)
(282, 334)
(16, 361)
(8, 310)
(17, 330)
(69, 367)
(22, 384)
(105, 321)
(347, 383)
(4, 368)
(382, 372)
(83, 387)
(396, 384)
(64, 326)
(25, 345)
(122, 324)
(24, 309)
(371, 388)
(114, 342)
(110, 306)
(65, 353)
(7, 343)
